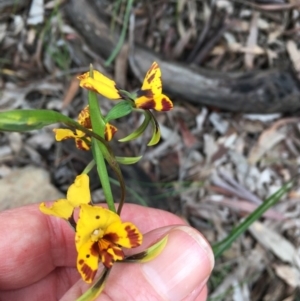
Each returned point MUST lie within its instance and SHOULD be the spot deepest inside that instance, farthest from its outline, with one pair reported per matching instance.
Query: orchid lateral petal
(60, 208)
(150, 253)
(128, 160)
(126, 235)
(155, 131)
(139, 131)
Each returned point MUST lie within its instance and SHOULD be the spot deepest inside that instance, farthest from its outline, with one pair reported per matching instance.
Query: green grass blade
(223, 245)
(122, 36)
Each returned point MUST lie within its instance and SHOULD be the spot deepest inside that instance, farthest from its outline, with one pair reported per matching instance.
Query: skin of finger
(199, 294)
(51, 287)
(127, 281)
(36, 243)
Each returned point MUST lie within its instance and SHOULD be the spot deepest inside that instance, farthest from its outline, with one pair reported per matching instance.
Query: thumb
(179, 272)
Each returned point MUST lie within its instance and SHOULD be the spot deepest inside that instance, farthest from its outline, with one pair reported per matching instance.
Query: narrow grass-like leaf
(155, 131)
(223, 245)
(139, 131)
(122, 36)
(128, 160)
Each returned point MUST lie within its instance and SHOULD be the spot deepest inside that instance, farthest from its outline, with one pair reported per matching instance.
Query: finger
(33, 244)
(51, 287)
(182, 268)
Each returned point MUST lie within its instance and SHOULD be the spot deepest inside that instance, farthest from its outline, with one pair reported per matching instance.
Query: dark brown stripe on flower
(134, 237)
(119, 253)
(147, 93)
(149, 104)
(166, 104)
(111, 237)
(81, 145)
(106, 258)
(95, 249)
(89, 87)
(151, 78)
(154, 66)
(88, 273)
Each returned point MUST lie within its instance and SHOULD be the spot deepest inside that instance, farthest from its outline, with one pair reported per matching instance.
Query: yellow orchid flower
(82, 141)
(78, 193)
(150, 95)
(100, 236)
(100, 84)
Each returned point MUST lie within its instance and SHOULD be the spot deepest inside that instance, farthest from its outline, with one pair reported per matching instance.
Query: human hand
(38, 259)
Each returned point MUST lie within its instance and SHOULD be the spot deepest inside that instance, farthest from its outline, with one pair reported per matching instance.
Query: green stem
(103, 174)
(221, 246)
(98, 126)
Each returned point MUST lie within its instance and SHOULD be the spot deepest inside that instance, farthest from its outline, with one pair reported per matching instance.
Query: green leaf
(28, 120)
(139, 131)
(223, 245)
(128, 160)
(121, 109)
(155, 131)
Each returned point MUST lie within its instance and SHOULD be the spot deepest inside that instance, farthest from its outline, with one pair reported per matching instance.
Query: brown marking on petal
(81, 261)
(111, 237)
(89, 274)
(83, 76)
(81, 145)
(115, 86)
(95, 249)
(133, 236)
(118, 251)
(107, 259)
(89, 87)
(154, 66)
(151, 78)
(166, 104)
(109, 132)
(84, 118)
(147, 93)
(149, 104)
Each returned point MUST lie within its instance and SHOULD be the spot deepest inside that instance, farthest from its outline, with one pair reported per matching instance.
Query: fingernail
(184, 264)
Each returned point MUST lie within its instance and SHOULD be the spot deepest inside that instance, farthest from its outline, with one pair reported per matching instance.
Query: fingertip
(183, 266)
